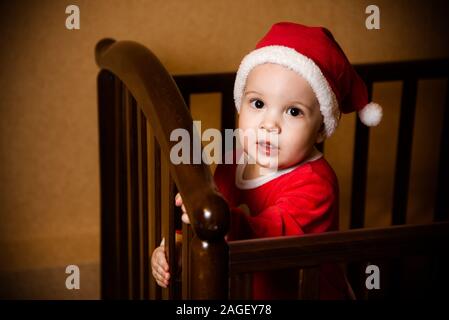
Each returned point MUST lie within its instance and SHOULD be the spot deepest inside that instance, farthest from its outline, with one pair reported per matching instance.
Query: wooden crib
(139, 104)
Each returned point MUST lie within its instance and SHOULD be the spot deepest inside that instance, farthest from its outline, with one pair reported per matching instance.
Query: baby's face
(280, 102)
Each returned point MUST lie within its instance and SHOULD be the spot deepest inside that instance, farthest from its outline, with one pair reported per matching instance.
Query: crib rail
(309, 251)
(134, 90)
(339, 246)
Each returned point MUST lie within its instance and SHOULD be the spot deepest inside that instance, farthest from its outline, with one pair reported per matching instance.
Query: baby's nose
(270, 125)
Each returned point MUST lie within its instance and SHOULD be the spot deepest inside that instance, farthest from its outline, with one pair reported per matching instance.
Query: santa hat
(314, 54)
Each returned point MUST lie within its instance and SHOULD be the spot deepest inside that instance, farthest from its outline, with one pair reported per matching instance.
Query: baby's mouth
(266, 147)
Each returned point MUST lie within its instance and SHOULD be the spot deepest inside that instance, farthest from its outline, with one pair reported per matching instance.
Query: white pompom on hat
(314, 54)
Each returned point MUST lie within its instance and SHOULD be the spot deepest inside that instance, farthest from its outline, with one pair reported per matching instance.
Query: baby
(290, 92)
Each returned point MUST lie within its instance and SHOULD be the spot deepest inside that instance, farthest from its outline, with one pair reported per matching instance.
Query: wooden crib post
(442, 202)
(209, 265)
(205, 260)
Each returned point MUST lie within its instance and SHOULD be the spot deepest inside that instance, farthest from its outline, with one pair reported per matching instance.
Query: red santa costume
(294, 201)
(304, 198)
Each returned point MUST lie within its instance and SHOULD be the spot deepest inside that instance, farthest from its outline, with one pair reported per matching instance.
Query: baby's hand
(178, 202)
(159, 265)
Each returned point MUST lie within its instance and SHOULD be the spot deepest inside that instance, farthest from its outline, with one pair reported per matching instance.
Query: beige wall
(49, 175)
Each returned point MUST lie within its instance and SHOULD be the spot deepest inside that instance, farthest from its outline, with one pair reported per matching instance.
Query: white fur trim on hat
(299, 63)
(371, 114)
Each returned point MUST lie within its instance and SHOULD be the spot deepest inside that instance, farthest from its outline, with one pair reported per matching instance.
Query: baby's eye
(256, 103)
(293, 111)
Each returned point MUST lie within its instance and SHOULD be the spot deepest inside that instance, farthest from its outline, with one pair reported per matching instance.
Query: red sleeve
(308, 205)
(224, 178)
(239, 228)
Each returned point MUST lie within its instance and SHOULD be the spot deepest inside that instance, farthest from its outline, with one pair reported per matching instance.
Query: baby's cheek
(289, 157)
(246, 146)
(244, 138)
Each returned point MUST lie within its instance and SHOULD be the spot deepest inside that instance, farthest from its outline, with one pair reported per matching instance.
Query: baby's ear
(321, 134)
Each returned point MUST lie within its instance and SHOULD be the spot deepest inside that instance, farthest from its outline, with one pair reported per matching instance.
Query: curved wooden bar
(338, 246)
(157, 95)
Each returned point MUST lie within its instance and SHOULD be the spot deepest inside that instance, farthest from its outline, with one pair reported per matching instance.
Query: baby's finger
(161, 284)
(162, 262)
(156, 275)
(163, 274)
(185, 218)
(167, 276)
(178, 200)
(165, 280)
(159, 278)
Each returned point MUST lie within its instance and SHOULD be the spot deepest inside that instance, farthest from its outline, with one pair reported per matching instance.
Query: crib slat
(404, 151)
(124, 241)
(228, 113)
(359, 171)
(132, 195)
(109, 159)
(241, 286)
(187, 235)
(309, 284)
(227, 109)
(358, 197)
(144, 267)
(168, 224)
(442, 202)
(154, 203)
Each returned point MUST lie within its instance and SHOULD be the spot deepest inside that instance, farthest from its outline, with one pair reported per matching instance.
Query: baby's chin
(268, 163)
(275, 163)
(273, 166)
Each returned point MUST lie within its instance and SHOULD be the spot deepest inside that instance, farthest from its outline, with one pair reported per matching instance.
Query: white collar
(257, 182)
